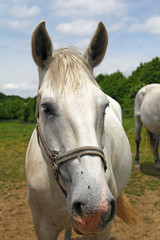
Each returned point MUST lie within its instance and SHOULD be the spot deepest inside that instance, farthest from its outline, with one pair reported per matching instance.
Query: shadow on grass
(149, 168)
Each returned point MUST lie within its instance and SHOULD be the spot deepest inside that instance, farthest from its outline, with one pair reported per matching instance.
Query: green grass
(14, 138)
(149, 176)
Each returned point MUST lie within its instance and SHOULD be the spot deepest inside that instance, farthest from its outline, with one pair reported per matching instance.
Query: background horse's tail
(125, 211)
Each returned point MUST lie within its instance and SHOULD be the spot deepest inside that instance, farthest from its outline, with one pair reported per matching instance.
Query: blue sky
(133, 27)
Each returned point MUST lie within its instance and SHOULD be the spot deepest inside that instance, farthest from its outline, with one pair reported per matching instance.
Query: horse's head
(71, 110)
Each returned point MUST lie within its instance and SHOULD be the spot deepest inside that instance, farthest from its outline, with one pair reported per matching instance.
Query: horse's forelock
(68, 68)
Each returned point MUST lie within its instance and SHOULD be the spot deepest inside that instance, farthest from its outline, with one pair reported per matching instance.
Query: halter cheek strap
(58, 159)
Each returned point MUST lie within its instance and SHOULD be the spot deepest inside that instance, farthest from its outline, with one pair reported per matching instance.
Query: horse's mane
(68, 68)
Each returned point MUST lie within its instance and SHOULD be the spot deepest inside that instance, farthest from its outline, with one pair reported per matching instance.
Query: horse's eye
(47, 109)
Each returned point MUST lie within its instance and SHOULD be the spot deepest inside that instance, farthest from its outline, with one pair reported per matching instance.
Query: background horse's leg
(67, 235)
(138, 126)
(156, 154)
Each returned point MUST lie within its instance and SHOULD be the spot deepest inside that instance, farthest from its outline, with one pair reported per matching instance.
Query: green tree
(29, 110)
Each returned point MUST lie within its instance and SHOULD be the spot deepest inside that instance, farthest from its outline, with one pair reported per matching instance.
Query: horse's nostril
(113, 209)
(77, 209)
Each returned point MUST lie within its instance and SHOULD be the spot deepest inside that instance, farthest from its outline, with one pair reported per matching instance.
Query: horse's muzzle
(92, 221)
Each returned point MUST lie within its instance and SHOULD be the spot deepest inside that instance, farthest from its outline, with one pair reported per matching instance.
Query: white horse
(78, 160)
(147, 113)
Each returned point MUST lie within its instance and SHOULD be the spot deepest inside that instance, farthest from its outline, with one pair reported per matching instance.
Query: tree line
(124, 89)
(116, 85)
(17, 108)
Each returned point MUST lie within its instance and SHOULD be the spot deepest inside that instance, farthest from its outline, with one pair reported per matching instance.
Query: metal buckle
(54, 158)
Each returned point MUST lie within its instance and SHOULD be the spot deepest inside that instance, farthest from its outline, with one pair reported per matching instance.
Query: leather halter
(57, 159)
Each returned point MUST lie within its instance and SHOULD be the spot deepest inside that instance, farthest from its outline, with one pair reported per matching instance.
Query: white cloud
(20, 86)
(23, 11)
(117, 26)
(151, 25)
(17, 17)
(78, 28)
(19, 24)
(122, 24)
(89, 8)
(10, 86)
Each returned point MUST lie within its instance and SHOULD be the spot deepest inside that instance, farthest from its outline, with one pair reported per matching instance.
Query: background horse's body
(147, 113)
(73, 115)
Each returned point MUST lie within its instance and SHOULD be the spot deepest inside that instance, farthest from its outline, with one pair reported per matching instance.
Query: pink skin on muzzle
(93, 222)
(89, 223)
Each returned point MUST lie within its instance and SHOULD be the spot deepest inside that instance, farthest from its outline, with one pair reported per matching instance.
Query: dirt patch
(16, 222)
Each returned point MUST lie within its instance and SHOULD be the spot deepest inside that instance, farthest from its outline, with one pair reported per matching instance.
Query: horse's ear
(41, 44)
(97, 46)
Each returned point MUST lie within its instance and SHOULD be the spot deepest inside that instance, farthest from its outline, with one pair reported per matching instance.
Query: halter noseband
(58, 159)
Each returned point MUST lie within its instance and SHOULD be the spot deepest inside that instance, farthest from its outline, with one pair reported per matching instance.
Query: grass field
(143, 188)
(14, 138)
(137, 185)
